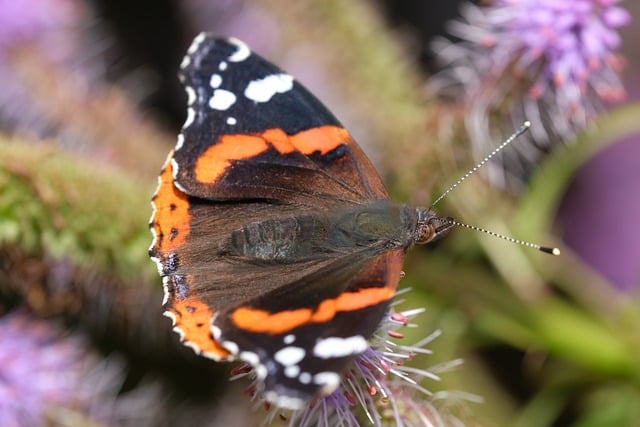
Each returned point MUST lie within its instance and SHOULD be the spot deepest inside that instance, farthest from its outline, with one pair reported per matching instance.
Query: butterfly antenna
(522, 129)
(546, 249)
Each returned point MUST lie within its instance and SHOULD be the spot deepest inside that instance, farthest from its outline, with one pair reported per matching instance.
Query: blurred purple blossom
(47, 31)
(553, 62)
(41, 21)
(599, 215)
(41, 368)
(576, 39)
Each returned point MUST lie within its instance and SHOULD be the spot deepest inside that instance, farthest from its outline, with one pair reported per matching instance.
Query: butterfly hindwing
(300, 338)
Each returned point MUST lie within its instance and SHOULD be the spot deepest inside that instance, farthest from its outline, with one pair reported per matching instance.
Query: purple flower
(380, 385)
(575, 40)
(37, 20)
(46, 373)
(36, 36)
(553, 62)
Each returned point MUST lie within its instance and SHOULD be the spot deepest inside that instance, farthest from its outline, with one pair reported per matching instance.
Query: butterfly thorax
(376, 227)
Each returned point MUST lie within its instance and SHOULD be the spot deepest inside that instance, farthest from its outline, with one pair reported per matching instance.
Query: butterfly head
(430, 226)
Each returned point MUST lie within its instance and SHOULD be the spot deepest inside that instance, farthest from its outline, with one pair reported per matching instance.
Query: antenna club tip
(551, 251)
(527, 124)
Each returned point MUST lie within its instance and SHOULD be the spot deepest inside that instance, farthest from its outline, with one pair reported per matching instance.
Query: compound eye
(425, 233)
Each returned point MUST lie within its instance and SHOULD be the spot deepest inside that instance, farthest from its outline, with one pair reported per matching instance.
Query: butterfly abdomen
(282, 240)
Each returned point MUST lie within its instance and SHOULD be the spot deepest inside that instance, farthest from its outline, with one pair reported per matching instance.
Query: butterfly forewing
(252, 131)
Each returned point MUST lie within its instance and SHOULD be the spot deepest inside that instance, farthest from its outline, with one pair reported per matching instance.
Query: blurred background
(90, 105)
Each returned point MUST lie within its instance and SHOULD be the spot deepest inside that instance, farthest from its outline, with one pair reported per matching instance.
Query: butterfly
(275, 237)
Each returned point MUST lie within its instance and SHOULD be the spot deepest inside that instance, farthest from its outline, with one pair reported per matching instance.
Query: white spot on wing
(154, 241)
(231, 121)
(285, 402)
(191, 95)
(305, 378)
(179, 186)
(170, 315)
(216, 332)
(192, 346)
(264, 89)
(215, 81)
(216, 357)
(179, 331)
(222, 66)
(339, 347)
(289, 339)
(185, 62)
(328, 382)
(231, 347)
(261, 372)
(195, 44)
(180, 141)
(157, 260)
(292, 371)
(174, 167)
(242, 53)
(250, 357)
(191, 115)
(289, 356)
(165, 289)
(222, 99)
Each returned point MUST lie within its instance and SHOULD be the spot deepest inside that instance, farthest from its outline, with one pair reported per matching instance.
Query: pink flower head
(553, 62)
(575, 40)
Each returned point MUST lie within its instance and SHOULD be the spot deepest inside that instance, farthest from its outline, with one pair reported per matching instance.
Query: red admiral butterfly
(273, 233)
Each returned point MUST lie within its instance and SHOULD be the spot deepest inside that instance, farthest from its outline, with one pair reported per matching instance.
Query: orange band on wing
(214, 162)
(322, 139)
(262, 321)
(171, 215)
(193, 317)
(278, 140)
